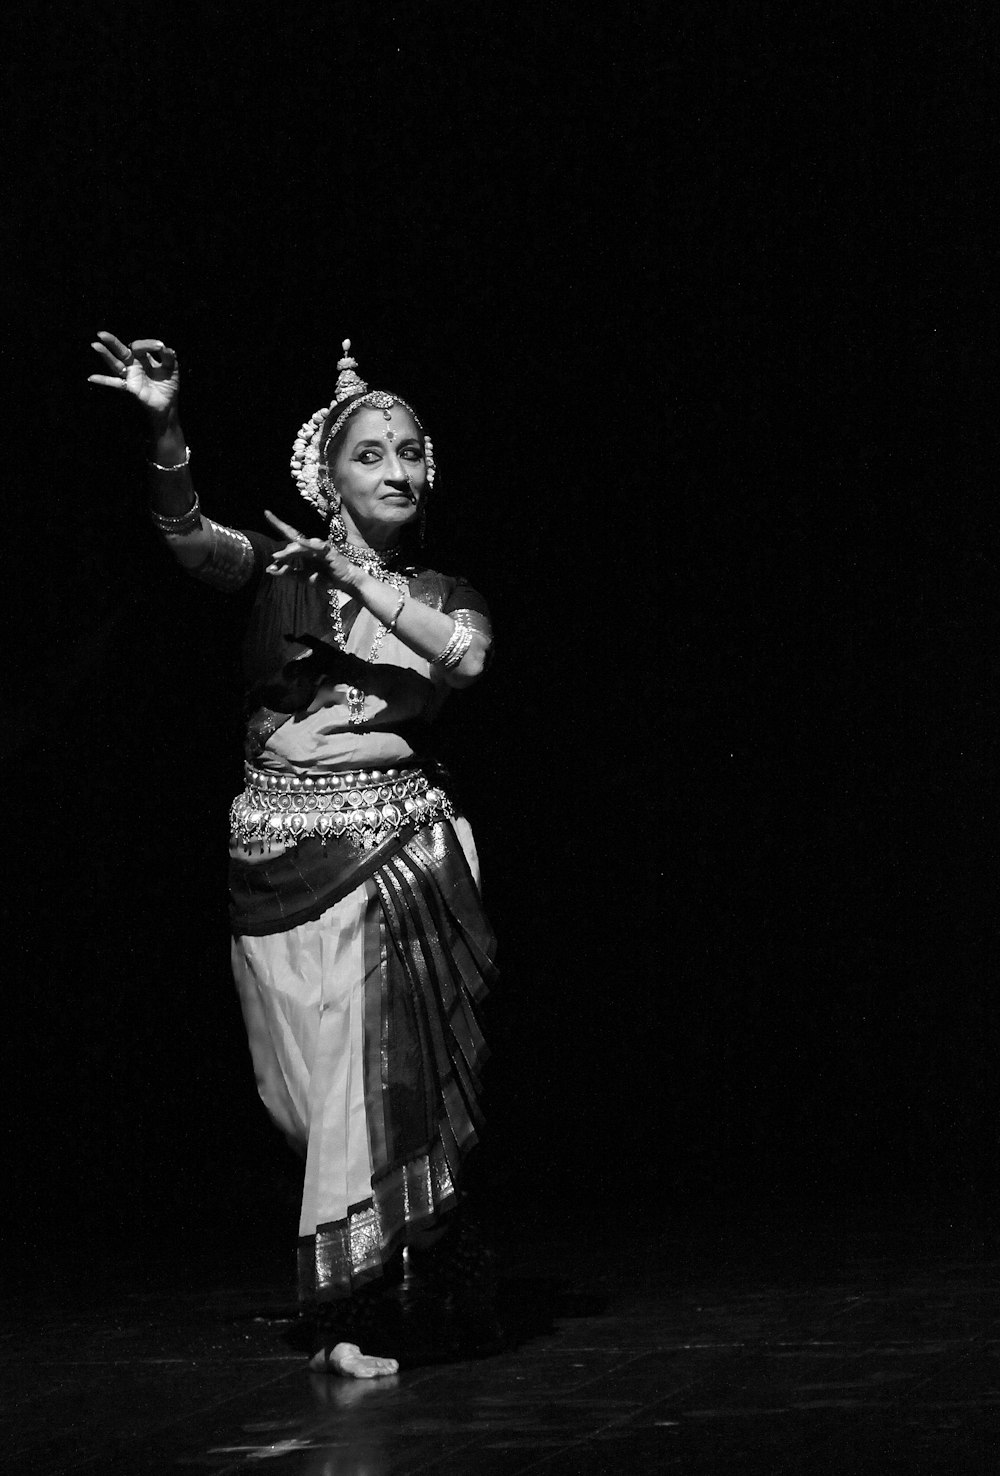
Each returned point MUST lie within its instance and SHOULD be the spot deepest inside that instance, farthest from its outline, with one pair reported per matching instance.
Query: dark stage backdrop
(694, 310)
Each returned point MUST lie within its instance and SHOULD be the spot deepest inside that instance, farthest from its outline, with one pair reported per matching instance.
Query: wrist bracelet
(456, 648)
(391, 625)
(179, 466)
(188, 522)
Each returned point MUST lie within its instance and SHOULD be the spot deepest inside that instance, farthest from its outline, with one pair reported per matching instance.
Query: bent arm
(149, 372)
(427, 631)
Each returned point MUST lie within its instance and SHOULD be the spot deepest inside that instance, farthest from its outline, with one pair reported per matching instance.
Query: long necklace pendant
(355, 695)
(355, 707)
(402, 586)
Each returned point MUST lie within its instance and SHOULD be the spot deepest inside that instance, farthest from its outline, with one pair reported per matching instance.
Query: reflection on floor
(632, 1351)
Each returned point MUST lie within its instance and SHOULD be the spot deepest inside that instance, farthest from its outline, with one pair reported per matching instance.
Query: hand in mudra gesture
(310, 556)
(146, 369)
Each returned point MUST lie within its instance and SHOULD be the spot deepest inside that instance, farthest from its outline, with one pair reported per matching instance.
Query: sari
(361, 955)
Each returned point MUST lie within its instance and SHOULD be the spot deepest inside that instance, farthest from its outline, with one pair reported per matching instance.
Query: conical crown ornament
(348, 383)
(308, 470)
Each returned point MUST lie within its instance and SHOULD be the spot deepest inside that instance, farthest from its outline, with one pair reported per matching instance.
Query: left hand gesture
(310, 556)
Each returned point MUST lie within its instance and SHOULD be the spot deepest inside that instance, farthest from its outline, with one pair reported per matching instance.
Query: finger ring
(123, 372)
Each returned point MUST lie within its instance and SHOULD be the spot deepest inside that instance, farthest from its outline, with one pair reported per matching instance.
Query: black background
(696, 309)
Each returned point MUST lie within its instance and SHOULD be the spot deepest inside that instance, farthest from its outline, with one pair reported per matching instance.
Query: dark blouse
(299, 681)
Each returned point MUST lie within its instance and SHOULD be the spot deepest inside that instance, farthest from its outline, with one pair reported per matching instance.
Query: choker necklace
(369, 559)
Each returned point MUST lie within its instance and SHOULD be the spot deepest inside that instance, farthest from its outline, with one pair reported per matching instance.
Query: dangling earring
(338, 528)
(431, 470)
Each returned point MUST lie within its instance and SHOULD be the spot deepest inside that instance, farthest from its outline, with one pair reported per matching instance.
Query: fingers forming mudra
(301, 551)
(150, 357)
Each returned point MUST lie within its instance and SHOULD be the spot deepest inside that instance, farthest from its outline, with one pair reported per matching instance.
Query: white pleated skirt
(306, 1000)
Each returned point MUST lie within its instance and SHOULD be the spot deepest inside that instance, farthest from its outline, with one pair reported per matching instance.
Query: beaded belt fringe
(363, 807)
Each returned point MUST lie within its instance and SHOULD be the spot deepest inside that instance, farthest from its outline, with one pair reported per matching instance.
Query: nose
(395, 472)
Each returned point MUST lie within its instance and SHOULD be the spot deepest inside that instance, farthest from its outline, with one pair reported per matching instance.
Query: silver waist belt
(362, 806)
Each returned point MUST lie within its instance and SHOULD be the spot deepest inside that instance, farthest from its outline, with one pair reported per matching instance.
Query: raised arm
(148, 371)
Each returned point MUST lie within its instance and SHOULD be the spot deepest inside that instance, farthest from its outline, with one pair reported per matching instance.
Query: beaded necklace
(374, 564)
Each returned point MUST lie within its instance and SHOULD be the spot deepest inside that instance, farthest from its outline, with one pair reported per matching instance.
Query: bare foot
(348, 1360)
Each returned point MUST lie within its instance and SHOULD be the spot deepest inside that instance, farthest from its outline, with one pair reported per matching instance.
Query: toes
(369, 1368)
(348, 1360)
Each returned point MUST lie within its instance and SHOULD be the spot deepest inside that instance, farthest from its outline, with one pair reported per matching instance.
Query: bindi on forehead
(391, 434)
(373, 425)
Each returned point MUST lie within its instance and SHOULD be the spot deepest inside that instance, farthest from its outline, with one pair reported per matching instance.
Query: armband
(229, 562)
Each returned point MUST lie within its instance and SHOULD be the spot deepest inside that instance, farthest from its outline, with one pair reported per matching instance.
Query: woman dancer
(360, 948)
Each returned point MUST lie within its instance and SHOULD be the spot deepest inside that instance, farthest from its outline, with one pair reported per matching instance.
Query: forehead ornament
(309, 470)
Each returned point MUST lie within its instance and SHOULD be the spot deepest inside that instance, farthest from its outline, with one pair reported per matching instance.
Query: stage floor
(754, 1347)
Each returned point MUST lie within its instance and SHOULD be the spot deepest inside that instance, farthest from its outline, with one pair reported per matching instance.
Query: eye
(412, 453)
(363, 457)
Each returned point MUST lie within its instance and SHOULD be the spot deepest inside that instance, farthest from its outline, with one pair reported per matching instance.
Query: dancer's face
(380, 474)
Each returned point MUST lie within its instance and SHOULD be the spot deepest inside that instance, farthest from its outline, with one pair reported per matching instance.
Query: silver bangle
(179, 466)
(391, 624)
(188, 522)
(456, 648)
